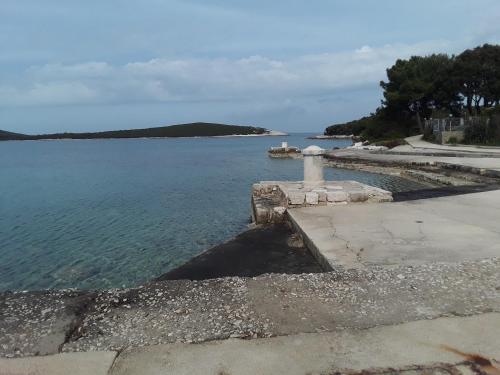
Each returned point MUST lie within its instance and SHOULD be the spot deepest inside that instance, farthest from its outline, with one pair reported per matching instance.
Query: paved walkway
(441, 346)
(448, 229)
(417, 143)
(484, 165)
(91, 363)
(484, 160)
(358, 311)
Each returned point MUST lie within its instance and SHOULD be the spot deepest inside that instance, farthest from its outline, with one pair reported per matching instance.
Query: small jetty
(284, 151)
(338, 136)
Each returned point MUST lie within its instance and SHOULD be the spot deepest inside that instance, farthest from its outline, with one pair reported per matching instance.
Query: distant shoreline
(331, 137)
(194, 130)
(270, 134)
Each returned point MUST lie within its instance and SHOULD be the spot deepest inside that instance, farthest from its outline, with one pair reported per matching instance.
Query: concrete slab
(37, 323)
(360, 299)
(281, 304)
(90, 363)
(416, 343)
(487, 165)
(448, 229)
(417, 142)
(267, 196)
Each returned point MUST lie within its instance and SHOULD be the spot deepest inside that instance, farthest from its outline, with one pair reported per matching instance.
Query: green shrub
(429, 135)
(486, 130)
(391, 143)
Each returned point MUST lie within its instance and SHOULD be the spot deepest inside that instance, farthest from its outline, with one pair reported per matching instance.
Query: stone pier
(272, 199)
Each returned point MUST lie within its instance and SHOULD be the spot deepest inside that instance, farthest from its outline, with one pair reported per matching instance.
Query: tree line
(437, 85)
(420, 85)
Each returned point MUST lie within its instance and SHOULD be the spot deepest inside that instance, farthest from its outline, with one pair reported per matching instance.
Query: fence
(439, 125)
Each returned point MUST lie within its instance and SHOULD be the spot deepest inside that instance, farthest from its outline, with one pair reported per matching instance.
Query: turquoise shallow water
(111, 213)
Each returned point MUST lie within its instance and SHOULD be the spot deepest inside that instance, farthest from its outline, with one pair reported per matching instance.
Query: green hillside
(198, 129)
(8, 136)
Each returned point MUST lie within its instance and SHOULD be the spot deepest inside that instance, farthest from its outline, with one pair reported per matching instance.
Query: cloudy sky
(293, 65)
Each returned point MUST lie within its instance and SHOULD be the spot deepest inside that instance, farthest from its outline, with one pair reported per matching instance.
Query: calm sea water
(111, 213)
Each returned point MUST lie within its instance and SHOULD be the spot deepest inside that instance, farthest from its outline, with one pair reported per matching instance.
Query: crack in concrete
(113, 364)
(74, 329)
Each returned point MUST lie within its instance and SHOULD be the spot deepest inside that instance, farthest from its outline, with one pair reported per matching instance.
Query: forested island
(198, 129)
(435, 86)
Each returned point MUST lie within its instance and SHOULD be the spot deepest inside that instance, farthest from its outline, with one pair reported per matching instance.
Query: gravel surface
(37, 323)
(168, 311)
(275, 304)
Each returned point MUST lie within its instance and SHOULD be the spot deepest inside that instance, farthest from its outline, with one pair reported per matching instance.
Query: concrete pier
(284, 151)
(447, 229)
(272, 199)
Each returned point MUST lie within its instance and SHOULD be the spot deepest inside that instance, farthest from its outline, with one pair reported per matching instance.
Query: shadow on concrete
(446, 191)
(252, 253)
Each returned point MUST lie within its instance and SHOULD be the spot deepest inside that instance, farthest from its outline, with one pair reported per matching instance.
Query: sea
(96, 214)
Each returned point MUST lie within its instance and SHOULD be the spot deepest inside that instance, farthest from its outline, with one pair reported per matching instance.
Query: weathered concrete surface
(448, 229)
(486, 166)
(193, 311)
(197, 311)
(375, 296)
(395, 347)
(433, 177)
(91, 363)
(426, 174)
(270, 199)
(270, 249)
(189, 311)
(445, 191)
(417, 143)
(38, 323)
(168, 311)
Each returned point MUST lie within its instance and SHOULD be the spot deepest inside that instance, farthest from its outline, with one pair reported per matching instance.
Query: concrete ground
(484, 160)
(270, 249)
(447, 229)
(347, 306)
(91, 363)
(412, 344)
(417, 143)
(486, 164)
(441, 346)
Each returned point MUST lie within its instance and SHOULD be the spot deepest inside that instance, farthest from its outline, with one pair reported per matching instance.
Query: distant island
(198, 129)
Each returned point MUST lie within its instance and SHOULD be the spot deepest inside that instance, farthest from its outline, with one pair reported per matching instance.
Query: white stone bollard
(313, 166)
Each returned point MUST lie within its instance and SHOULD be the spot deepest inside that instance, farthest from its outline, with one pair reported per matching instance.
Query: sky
(291, 65)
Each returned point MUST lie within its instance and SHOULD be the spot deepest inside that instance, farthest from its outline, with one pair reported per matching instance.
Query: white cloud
(85, 70)
(48, 93)
(168, 80)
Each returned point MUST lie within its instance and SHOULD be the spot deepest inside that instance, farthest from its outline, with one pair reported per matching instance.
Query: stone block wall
(271, 199)
(445, 136)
